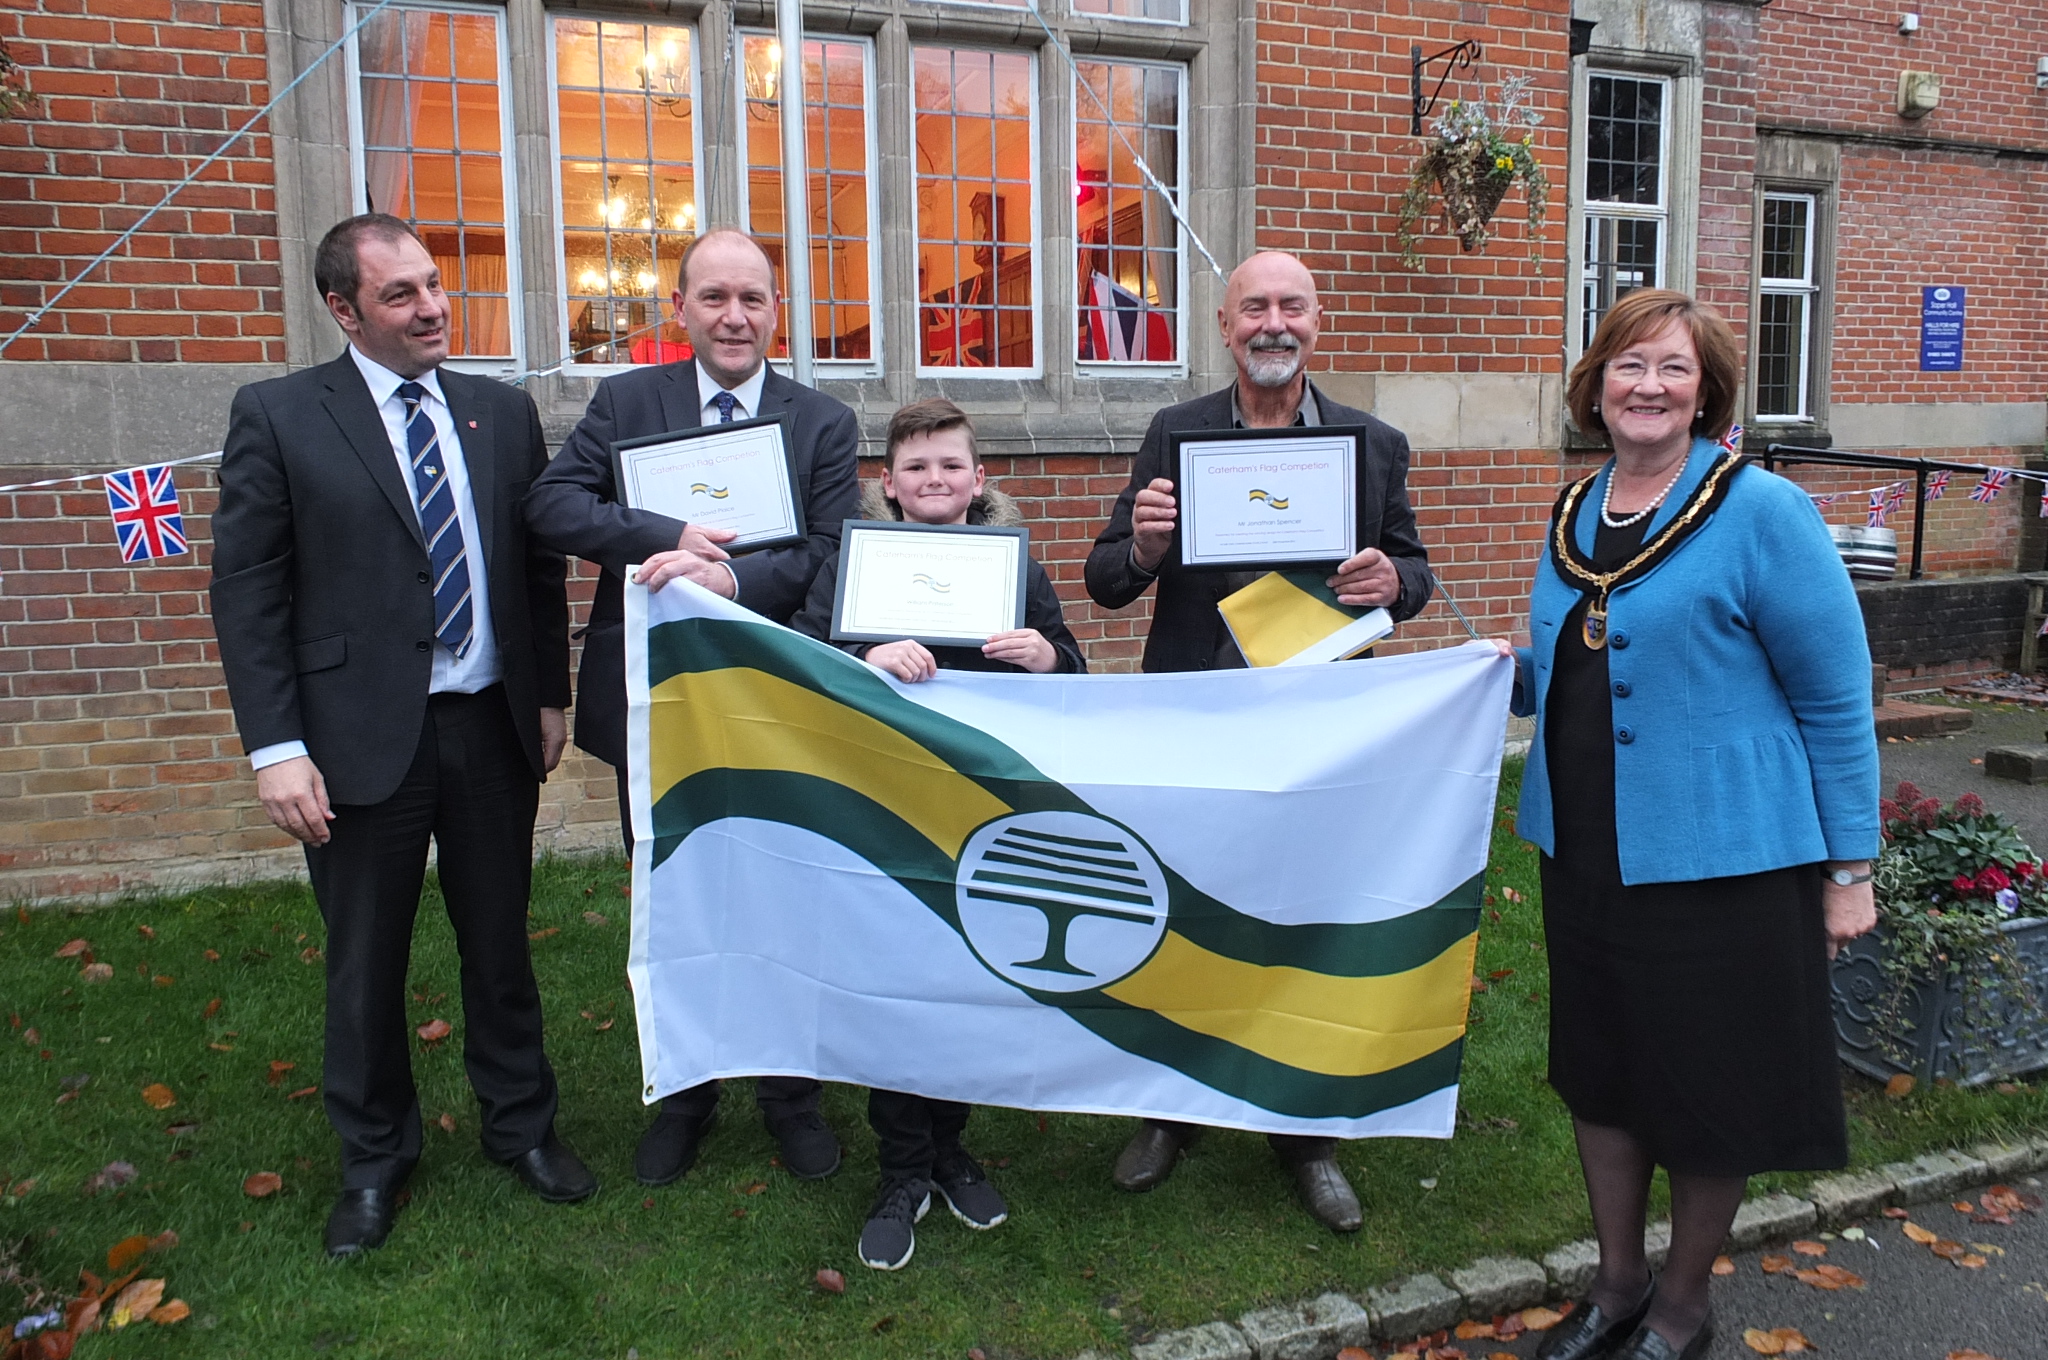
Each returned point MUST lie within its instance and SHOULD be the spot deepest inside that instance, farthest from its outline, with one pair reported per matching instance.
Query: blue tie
(436, 499)
(725, 402)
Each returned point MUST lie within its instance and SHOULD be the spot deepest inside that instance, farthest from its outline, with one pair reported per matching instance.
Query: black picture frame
(852, 527)
(1177, 440)
(787, 430)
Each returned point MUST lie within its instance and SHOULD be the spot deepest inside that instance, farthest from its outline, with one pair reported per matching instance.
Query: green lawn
(479, 1268)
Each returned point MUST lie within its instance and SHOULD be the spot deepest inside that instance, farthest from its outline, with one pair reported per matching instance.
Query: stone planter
(1937, 1043)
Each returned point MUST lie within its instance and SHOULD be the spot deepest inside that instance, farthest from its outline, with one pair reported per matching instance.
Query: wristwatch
(1843, 878)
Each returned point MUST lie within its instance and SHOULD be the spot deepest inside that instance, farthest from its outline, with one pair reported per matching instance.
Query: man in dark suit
(397, 652)
(726, 300)
(1270, 318)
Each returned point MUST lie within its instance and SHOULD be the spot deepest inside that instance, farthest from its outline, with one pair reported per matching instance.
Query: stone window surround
(1801, 165)
(1062, 411)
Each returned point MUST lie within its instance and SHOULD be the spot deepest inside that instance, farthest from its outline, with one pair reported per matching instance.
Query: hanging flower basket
(1471, 165)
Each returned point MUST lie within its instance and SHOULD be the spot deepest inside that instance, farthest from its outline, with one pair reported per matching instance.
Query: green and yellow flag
(1243, 898)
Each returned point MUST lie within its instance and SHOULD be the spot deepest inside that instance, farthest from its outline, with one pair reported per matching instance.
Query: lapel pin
(472, 424)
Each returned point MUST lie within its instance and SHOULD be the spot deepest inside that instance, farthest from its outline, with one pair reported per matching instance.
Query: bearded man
(1269, 318)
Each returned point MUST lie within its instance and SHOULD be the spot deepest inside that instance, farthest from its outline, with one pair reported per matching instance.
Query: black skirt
(1696, 1016)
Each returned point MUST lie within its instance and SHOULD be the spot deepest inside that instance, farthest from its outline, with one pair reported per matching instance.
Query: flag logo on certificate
(1272, 501)
(717, 493)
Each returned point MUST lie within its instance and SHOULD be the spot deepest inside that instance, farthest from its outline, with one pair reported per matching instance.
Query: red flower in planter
(1970, 805)
(2024, 870)
(1908, 793)
(1992, 879)
(1926, 812)
(1888, 811)
(1963, 883)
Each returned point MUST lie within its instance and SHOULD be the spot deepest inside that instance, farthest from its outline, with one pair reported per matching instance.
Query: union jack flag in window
(143, 503)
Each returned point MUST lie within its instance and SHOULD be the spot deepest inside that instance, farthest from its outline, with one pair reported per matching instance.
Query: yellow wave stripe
(1339, 1026)
(745, 719)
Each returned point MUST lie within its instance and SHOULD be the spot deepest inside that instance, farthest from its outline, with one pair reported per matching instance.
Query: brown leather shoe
(1147, 1160)
(1328, 1195)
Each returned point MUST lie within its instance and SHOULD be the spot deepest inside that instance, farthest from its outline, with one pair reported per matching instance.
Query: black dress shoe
(1328, 1196)
(1147, 1160)
(1592, 1332)
(669, 1147)
(1647, 1344)
(360, 1221)
(553, 1172)
(810, 1151)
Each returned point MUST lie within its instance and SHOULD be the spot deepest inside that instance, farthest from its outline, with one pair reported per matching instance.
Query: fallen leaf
(882, 1323)
(1471, 1329)
(1970, 1355)
(163, 981)
(1540, 1319)
(1724, 1265)
(1775, 1265)
(1805, 1248)
(278, 1067)
(177, 1310)
(1354, 1353)
(1478, 984)
(1427, 1182)
(1829, 1277)
(1900, 1085)
(606, 1023)
(96, 972)
(302, 1093)
(212, 956)
(212, 1009)
(262, 1184)
(1762, 1342)
(112, 1176)
(1509, 1327)
(1963, 1206)
(1895, 1213)
(543, 934)
(2007, 1088)
(831, 1281)
(1920, 1234)
(158, 1096)
(181, 1129)
(1497, 974)
(1947, 1250)
(754, 1188)
(1854, 1235)
(134, 1303)
(596, 918)
(1987, 1249)
(434, 1031)
(145, 932)
(447, 1122)
(126, 1253)
(1972, 1262)
(164, 1240)
(71, 949)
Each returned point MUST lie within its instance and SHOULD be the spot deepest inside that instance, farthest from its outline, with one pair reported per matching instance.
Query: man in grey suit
(1270, 319)
(726, 300)
(397, 651)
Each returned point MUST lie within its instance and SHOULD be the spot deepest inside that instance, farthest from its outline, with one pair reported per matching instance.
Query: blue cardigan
(1743, 732)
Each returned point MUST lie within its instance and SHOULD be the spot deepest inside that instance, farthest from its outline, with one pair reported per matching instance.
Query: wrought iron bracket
(1460, 55)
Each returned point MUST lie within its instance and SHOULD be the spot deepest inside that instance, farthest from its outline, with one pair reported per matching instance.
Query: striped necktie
(725, 401)
(435, 496)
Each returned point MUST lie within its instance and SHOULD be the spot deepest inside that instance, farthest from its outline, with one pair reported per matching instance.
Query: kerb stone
(1413, 1305)
(1494, 1285)
(1210, 1341)
(1571, 1268)
(1842, 1199)
(1933, 1175)
(1315, 1330)
(1769, 1219)
(2001, 1160)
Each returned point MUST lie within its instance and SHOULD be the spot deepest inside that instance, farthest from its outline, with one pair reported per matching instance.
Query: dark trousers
(1291, 1148)
(778, 1097)
(471, 791)
(911, 1131)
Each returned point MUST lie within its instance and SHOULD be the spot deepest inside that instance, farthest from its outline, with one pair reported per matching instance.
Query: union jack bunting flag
(2044, 500)
(143, 503)
(1823, 502)
(1880, 506)
(1732, 441)
(1936, 484)
(1993, 483)
(1895, 495)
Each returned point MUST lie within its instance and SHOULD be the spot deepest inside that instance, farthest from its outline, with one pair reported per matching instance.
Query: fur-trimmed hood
(991, 507)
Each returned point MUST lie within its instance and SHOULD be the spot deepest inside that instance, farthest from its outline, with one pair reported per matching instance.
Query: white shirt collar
(748, 393)
(383, 383)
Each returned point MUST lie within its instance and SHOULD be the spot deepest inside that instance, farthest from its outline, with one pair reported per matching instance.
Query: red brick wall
(1963, 537)
(1334, 154)
(131, 95)
(1728, 163)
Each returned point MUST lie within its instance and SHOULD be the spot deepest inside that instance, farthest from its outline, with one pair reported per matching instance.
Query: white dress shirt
(746, 405)
(482, 667)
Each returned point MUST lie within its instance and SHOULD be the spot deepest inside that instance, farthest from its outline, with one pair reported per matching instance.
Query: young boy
(931, 474)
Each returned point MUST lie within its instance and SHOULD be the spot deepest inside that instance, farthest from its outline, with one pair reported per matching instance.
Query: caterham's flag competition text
(1240, 898)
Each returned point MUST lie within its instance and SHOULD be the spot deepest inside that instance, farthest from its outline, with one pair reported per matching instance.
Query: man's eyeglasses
(1635, 370)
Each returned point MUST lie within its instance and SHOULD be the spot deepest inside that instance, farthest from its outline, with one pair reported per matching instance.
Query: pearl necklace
(1608, 491)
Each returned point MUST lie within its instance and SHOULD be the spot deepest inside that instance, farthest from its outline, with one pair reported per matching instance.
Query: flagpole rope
(1144, 169)
(36, 317)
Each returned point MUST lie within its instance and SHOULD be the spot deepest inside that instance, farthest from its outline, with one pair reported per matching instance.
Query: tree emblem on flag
(143, 503)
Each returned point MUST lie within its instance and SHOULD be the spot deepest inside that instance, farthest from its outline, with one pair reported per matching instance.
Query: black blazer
(574, 508)
(1188, 631)
(322, 598)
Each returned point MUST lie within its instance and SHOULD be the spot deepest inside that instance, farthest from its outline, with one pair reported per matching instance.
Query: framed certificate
(1267, 499)
(738, 476)
(946, 585)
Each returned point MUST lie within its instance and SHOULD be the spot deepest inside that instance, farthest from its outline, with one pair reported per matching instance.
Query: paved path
(1941, 765)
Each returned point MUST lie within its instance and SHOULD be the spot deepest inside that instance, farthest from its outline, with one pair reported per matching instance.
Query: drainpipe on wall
(796, 193)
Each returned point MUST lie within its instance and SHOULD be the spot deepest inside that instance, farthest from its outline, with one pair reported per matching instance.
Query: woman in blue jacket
(1703, 787)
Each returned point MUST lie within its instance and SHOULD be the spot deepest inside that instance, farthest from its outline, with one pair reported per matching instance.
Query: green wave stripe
(895, 848)
(1368, 949)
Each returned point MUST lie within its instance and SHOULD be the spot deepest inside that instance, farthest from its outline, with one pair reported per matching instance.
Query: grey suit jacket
(1188, 631)
(322, 597)
(575, 508)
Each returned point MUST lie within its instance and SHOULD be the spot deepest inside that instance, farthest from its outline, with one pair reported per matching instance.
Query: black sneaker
(890, 1235)
(810, 1152)
(669, 1147)
(958, 1177)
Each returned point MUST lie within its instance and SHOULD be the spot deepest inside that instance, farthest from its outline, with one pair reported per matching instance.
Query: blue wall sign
(1941, 329)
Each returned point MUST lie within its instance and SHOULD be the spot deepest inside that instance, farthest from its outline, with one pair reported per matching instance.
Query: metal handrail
(1919, 467)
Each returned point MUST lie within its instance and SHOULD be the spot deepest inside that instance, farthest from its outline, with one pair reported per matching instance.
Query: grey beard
(1272, 368)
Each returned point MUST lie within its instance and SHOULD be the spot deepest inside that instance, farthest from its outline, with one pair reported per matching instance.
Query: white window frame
(1109, 368)
(870, 367)
(1090, 16)
(1040, 313)
(1807, 288)
(1591, 209)
(495, 366)
(570, 366)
